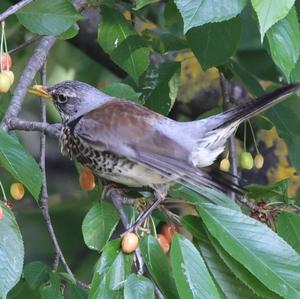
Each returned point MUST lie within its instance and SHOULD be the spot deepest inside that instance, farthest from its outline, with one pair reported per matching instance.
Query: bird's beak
(40, 90)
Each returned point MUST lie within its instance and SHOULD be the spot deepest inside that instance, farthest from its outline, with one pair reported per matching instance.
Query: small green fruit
(246, 160)
(225, 165)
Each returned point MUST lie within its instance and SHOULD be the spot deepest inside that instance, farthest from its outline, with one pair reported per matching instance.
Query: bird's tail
(264, 102)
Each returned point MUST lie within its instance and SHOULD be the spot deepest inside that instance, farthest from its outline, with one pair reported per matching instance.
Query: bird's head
(71, 98)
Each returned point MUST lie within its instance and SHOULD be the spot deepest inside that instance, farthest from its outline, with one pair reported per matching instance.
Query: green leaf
(36, 273)
(288, 228)
(67, 277)
(196, 13)
(191, 275)
(158, 266)
(4, 102)
(51, 289)
(193, 225)
(293, 144)
(118, 38)
(242, 273)
(248, 241)
(230, 286)
(159, 86)
(48, 17)
(270, 12)
(284, 42)
(99, 224)
(214, 43)
(77, 292)
(272, 192)
(138, 287)
(110, 272)
(16, 160)
(142, 3)
(11, 251)
(122, 91)
(70, 33)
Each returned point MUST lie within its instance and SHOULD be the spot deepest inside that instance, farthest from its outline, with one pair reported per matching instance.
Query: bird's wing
(134, 132)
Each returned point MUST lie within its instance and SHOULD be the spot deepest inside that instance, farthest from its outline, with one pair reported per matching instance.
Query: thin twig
(32, 67)
(25, 44)
(13, 9)
(231, 141)
(24, 125)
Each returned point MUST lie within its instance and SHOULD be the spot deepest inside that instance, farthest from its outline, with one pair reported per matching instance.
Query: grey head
(75, 98)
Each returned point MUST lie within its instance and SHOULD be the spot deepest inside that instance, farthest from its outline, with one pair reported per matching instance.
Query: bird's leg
(159, 195)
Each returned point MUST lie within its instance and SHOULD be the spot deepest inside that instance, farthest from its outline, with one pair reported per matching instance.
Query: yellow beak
(40, 90)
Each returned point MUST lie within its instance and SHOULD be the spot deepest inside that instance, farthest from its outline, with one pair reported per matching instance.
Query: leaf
(270, 12)
(106, 273)
(51, 289)
(48, 17)
(158, 266)
(70, 33)
(77, 292)
(191, 275)
(242, 273)
(36, 273)
(122, 91)
(4, 102)
(248, 241)
(16, 160)
(288, 228)
(99, 224)
(230, 286)
(11, 252)
(142, 3)
(159, 86)
(118, 38)
(214, 43)
(193, 224)
(196, 13)
(272, 192)
(138, 287)
(284, 42)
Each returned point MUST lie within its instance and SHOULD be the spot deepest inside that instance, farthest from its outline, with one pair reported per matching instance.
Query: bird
(127, 143)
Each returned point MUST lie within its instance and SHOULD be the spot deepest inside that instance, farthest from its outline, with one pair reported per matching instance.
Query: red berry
(163, 242)
(87, 179)
(6, 61)
(1, 213)
(8, 203)
(4, 83)
(168, 231)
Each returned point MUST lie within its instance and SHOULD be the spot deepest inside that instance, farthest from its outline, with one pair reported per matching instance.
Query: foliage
(221, 252)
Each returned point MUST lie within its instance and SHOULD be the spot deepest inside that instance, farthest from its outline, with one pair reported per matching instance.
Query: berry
(6, 61)
(130, 243)
(246, 160)
(1, 213)
(168, 231)
(87, 179)
(17, 191)
(8, 203)
(225, 165)
(259, 161)
(10, 75)
(4, 83)
(163, 242)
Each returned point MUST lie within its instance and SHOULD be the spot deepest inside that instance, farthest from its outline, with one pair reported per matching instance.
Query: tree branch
(25, 44)
(13, 9)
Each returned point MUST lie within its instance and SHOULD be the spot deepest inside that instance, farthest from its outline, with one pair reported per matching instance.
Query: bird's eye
(61, 99)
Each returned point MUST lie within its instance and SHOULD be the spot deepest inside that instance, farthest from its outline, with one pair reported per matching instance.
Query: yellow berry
(4, 83)
(246, 160)
(17, 191)
(225, 165)
(163, 242)
(10, 75)
(87, 179)
(259, 161)
(130, 243)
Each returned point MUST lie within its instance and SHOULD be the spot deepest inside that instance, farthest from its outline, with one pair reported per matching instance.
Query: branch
(32, 67)
(43, 127)
(13, 9)
(25, 44)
